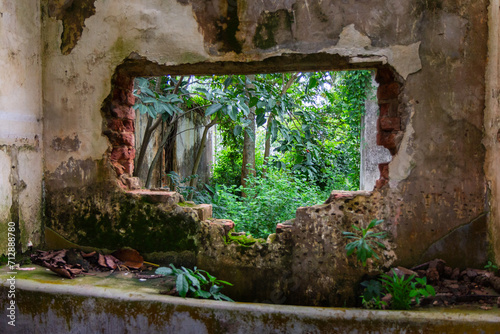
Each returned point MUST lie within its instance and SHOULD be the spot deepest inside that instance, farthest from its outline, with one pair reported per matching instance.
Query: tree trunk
(199, 153)
(248, 164)
(150, 129)
(267, 147)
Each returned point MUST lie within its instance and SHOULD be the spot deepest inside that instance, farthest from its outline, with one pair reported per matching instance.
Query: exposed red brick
(280, 228)
(384, 109)
(120, 138)
(129, 125)
(380, 183)
(130, 100)
(384, 170)
(122, 153)
(119, 169)
(384, 76)
(128, 166)
(122, 111)
(124, 81)
(115, 124)
(127, 138)
(388, 91)
(388, 140)
(390, 123)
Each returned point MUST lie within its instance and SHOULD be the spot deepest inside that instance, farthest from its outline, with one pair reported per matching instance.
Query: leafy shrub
(371, 294)
(268, 201)
(364, 241)
(404, 289)
(194, 283)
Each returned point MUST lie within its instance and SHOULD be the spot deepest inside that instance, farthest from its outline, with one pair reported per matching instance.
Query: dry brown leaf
(130, 257)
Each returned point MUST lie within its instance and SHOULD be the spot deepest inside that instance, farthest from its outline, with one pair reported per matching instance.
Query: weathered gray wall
(492, 127)
(20, 121)
(437, 50)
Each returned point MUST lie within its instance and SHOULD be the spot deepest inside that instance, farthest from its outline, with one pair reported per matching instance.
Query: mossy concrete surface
(109, 304)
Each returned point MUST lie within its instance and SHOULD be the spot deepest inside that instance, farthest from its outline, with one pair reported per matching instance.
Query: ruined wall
(430, 58)
(492, 127)
(20, 122)
(371, 154)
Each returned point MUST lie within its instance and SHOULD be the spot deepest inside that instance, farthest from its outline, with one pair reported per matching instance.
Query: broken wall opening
(120, 116)
(120, 124)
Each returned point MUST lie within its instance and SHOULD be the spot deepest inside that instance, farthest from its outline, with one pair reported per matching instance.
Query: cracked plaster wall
(492, 127)
(20, 122)
(437, 49)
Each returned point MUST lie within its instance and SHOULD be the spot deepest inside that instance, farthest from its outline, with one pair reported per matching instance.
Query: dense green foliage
(404, 289)
(310, 124)
(269, 201)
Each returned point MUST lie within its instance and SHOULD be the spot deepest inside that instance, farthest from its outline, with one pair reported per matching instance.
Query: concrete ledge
(100, 305)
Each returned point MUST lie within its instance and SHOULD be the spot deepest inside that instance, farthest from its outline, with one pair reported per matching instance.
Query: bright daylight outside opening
(259, 146)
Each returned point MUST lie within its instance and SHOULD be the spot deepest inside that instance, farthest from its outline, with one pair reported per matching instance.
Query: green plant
(194, 283)
(179, 183)
(371, 294)
(269, 201)
(421, 289)
(491, 266)
(364, 241)
(403, 290)
(400, 289)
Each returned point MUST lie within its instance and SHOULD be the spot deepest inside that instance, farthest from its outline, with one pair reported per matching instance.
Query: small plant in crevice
(490, 266)
(195, 283)
(404, 289)
(365, 241)
(372, 294)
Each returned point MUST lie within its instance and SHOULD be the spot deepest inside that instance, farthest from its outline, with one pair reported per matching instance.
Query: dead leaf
(111, 261)
(89, 254)
(102, 260)
(130, 257)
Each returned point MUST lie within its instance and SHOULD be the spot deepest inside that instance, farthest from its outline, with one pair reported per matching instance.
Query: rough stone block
(133, 183)
(226, 224)
(204, 211)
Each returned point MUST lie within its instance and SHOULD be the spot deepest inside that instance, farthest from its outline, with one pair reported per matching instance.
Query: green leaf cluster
(365, 241)
(403, 290)
(269, 201)
(195, 283)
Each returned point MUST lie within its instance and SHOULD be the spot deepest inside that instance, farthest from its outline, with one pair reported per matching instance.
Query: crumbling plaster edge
(491, 127)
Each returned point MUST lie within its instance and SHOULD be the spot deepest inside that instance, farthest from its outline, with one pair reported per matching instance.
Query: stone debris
(455, 286)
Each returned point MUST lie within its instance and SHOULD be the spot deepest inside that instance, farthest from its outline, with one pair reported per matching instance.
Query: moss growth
(271, 23)
(242, 240)
(113, 219)
(228, 27)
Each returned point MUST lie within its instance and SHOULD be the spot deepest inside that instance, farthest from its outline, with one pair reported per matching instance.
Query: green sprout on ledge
(365, 242)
